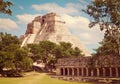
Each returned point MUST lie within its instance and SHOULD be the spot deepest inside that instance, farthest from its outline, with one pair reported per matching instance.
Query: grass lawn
(35, 78)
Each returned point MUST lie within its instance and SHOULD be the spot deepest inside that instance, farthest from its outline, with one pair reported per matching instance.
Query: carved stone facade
(50, 27)
(108, 66)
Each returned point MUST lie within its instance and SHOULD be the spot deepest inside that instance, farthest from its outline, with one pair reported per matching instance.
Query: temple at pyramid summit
(52, 28)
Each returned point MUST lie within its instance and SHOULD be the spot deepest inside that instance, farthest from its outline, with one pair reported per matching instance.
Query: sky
(24, 11)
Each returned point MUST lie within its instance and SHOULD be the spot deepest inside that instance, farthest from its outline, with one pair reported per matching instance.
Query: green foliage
(12, 57)
(68, 51)
(22, 60)
(8, 45)
(49, 52)
(42, 50)
(6, 59)
(77, 52)
(106, 13)
(5, 7)
(108, 47)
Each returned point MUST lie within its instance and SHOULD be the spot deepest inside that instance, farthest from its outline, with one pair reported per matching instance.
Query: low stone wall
(97, 80)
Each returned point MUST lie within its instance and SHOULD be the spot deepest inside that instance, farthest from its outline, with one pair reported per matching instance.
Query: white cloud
(53, 7)
(91, 37)
(25, 18)
(77, 24)
(79, 27)
(8, 24)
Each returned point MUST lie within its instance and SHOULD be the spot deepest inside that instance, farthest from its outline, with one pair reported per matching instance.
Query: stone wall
(109, 66)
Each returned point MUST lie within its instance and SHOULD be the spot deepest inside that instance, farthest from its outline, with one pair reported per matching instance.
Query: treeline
(15, 59)
(49, 52)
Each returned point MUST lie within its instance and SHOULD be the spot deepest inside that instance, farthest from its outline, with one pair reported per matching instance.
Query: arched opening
(113, 72)
(94, 72)
(118, 71)
(75, 72)
(66, 72)
(84, 72)
(107, 71)
(70, 71)
(61, 71)
(80, 73)
(89, 71)
(100, 72)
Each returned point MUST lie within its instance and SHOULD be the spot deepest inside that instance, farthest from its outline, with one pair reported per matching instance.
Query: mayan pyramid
(50, 27)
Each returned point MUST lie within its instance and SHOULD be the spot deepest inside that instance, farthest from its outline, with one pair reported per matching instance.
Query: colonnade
(95, 72)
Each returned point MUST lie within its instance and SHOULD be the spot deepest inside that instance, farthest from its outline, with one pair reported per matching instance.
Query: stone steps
(28, 39)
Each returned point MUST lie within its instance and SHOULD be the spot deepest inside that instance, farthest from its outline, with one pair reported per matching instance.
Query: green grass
(35, 78)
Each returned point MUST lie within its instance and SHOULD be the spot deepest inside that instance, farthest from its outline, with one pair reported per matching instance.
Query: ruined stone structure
(106, 66)
(50, 27)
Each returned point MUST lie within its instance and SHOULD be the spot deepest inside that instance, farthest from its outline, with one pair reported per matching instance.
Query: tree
(107, 47)
(77, 52)
(47, 48)
(106, 13)
(6, 60)
(12, 57)
(49, 52)
(68, 51)
(44, 51)
(8, 45)
(35, 51)
(5, 7)
(22, 60)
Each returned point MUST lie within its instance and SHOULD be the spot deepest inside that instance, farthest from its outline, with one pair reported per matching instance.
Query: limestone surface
(50, 27)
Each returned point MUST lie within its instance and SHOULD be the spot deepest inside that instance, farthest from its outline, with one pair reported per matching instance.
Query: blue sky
(77, 22)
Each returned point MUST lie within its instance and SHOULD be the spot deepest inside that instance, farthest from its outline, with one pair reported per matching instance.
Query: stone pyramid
(50, 27)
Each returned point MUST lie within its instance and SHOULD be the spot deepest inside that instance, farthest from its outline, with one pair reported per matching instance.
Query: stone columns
(63, 71)
(78, 71)
(116, 71)
(86, 71)
(92, 73)
(98, 73)
(68, 72)
(110, 71)
(82, 71)
(72, 71)
(104, 72)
